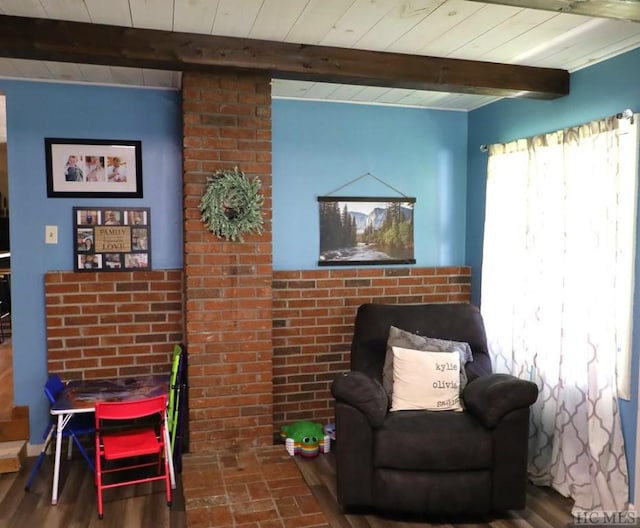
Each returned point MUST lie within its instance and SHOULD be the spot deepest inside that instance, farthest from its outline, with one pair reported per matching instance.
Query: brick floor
(248, 488)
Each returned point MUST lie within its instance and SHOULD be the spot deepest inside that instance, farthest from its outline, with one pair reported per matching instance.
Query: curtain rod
(625, 114)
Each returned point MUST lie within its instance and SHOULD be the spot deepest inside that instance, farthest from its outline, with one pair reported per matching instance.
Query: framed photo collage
(112, 238)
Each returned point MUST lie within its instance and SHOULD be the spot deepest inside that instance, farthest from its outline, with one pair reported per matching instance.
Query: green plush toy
(305, 438)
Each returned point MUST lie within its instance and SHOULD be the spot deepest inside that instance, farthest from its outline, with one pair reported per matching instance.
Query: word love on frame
(112, 238)
(93, 168)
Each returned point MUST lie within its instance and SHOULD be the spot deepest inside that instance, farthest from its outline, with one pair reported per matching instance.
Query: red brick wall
(263, 346)
(118, 324)
(112, 324)
(313, 314)
(227, 122)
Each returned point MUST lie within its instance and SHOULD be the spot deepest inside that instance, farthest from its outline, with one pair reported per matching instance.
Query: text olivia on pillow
(425, 380)
(404, 339)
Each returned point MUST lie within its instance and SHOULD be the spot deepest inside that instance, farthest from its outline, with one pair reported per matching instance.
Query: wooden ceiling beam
(65, 41)
(618, 9)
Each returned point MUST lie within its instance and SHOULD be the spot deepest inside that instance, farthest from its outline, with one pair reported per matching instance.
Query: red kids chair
(131, 434)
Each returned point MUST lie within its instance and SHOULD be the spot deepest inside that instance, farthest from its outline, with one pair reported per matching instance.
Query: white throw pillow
(402, 338)
(425, 380)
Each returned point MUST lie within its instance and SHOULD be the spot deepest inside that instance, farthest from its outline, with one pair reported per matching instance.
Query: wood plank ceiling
(58, 40)
(457, 29)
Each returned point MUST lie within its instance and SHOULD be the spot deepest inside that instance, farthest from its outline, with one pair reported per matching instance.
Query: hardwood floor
(545, 507)
(140, 506)
(143, 506)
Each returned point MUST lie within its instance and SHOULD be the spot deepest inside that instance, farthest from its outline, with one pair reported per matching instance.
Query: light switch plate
(51, 234)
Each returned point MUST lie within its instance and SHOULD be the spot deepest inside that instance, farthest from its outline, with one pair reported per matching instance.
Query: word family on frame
(112, 238)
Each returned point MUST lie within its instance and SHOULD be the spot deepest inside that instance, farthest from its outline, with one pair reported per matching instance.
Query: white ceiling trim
(91, 83)
(369, 103)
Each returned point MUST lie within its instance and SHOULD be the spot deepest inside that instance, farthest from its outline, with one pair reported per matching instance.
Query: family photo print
(93, 168)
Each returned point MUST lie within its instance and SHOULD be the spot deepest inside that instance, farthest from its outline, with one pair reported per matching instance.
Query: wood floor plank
(545, 507)
(145, 505)
(136, 506)
(330, 507)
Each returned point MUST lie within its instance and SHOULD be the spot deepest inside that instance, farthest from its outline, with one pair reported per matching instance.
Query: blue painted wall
(36, 110)
(599, 91)
(318, 147)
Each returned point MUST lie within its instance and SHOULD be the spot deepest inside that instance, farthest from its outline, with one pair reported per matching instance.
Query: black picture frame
(352, 230)
(112, 238)
(95, 168)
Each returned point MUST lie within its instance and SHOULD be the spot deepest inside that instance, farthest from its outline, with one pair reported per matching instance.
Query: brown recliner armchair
(435, 462)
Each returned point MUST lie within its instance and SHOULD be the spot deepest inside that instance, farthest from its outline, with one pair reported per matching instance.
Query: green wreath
(232, 205)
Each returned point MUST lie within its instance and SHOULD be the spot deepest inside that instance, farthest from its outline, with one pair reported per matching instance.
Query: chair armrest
(364, 393)
(490, 397)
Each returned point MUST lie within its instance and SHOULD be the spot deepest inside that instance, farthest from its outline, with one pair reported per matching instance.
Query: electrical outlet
(51, 234)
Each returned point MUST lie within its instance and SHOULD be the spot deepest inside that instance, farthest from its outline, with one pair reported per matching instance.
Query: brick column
(227, 122)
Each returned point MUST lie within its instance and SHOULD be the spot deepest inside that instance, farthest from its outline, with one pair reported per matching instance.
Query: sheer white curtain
(557, 281)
